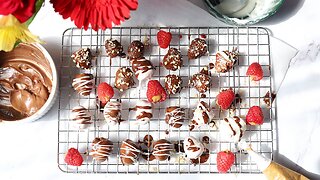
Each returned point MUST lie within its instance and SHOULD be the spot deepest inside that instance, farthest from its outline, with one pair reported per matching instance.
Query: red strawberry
(255, 116)
(156, 92)
(73, 157)
(255, 72)
(225, 160)
(164, 38)
(225, 98)
(105, 92)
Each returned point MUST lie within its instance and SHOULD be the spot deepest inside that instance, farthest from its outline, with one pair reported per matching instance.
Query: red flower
(21, 9)
(100, 14)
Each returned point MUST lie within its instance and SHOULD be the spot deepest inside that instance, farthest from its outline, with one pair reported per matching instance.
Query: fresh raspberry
(255, 116)
(105, 92)
(225, 160)
(73, 157)
(155, 92)
(225, 98)
(164, 38)
(255, 72)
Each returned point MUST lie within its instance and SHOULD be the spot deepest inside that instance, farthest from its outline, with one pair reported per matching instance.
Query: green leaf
(38, 6)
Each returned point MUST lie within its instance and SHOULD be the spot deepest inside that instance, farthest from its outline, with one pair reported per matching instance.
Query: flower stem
(38, 6)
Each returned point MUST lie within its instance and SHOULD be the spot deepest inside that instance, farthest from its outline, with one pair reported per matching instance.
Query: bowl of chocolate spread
(28, 83)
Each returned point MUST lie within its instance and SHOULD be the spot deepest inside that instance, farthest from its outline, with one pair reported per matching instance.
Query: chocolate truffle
(82, 58)
(81, 116)
(197, 48)
(232, 128)
(202, 114)
(143, 112)
(112, 113)
(172, 60)
(101, 149)
(142, 68)
(129, 152)
(162, 149)
(124, 79)
(135, 50)
(201, 81)
(83, 83)
(192, 147)
(175, 116)
(113, 48)
(173, 84)
(225, 60)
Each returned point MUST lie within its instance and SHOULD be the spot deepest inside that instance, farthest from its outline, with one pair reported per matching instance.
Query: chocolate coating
(197, 48)
(172, 60)
(81, 116)
(193, 148)
(173, 84)
(201, 81)
(203, 158)
(178, 146)
(83, 83)
(124, 79)
(175, 116)
(146, 145)
(148, 139)
(143, 112)
(82, 58)
(113, 48)
(232, 128)
(112, 113)
(142, 68)
(129, 152)
(135, 50)
(225, 60)
(202, 115)
(101, 149)
(162, 149)
(269, 98)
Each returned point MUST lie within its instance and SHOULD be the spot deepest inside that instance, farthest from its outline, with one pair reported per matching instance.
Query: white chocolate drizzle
(176, 117)
(84, 84)
(131, 152)
(112, 112)
(81, 116)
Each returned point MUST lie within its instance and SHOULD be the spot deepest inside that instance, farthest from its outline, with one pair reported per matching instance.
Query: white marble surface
(29, 150)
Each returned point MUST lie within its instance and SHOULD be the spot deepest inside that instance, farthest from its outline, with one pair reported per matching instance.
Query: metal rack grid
(253, 45)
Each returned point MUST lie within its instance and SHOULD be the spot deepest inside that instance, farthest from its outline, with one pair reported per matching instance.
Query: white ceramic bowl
(263, 9)
(54, 90)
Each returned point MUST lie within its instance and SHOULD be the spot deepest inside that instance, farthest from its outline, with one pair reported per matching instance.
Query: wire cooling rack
(252, 44)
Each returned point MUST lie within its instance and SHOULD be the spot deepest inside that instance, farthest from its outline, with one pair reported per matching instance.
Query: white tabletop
(29, 150)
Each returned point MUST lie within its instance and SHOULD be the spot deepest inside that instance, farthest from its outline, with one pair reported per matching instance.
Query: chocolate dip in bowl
(28, 83)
